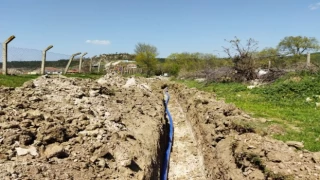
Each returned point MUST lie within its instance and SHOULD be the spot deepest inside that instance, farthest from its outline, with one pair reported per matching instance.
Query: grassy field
(283, 104)
(15, 80)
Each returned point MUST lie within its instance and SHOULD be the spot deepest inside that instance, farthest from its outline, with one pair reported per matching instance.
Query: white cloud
(99, 42)
(314, 6)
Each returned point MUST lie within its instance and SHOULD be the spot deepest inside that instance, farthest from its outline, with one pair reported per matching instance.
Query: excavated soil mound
(115, 128)
(231, 150)
(64, 128)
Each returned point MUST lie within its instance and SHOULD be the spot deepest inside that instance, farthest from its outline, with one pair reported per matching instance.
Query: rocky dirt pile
(231, 149)
(64, 128)
(115, 128)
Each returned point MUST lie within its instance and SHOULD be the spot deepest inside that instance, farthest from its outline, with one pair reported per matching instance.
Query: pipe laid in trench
(165, 167)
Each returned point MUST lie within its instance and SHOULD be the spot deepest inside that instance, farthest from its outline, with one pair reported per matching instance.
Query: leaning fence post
(71, 58)
(90, 69)
(5, 54)
(80, 62)
(99, 65)
(44, 56)
(308, 60)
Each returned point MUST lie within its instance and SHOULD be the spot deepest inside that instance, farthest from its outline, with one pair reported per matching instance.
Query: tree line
(244, 58)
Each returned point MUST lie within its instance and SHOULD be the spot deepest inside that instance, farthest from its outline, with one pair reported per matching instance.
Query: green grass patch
(135, 75)
(85, 76)
(282, 103)
(15, 80)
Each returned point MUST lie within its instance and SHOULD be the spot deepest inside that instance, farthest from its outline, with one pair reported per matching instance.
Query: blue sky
(105, 26)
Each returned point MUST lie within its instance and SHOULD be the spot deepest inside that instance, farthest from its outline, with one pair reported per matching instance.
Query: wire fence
(17, 60)
(29, 61)
(25, 54)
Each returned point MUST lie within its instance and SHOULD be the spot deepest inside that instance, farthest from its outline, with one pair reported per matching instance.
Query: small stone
(296, 144)
(107, 114)
(130, 82)
(99, 137)
(278, 157)
(102, 163)
(67, 147)
(145, 86)
(89, 133)
(23, 151)
(251, 147)
(316, 157)
(246, 173)
(84, 165)
(3, 157)
(282, 166)
(93, 93)
(54, 150)
(10, 125)
(93, 158)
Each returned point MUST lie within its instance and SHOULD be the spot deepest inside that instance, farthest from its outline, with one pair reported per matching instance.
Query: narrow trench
(186, 161)
(157, 166)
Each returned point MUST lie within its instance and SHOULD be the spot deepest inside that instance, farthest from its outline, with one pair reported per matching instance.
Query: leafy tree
(143, 48)
(297, 45)
(270, 54)
(146, 57)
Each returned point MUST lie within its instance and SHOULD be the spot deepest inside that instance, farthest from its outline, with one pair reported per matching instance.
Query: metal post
(71, 58)
(5, 54)
(80, 62)
(44, 56)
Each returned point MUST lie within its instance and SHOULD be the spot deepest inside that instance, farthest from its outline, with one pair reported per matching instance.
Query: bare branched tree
(242, 57)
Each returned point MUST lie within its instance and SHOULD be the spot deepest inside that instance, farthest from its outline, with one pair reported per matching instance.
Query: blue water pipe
(165, 165)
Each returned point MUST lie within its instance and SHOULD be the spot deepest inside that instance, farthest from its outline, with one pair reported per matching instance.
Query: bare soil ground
(64, 128)
(231, 150)
(115, 128)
